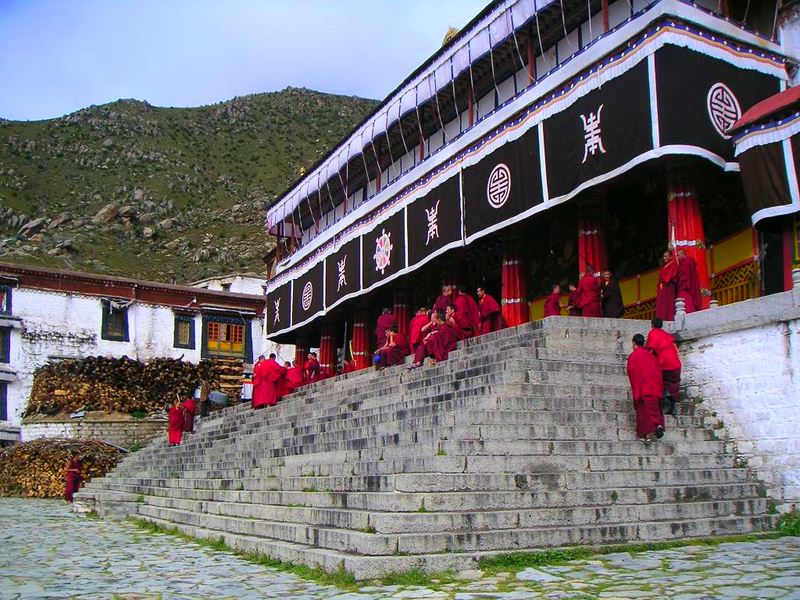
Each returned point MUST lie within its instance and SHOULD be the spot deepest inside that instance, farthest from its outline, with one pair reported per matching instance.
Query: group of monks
(272, 381)
(677, 278)
(434, 332)
(654, 371)
(596, 295)
(181, 419)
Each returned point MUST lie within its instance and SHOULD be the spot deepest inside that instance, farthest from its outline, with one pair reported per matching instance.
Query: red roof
(767, 107)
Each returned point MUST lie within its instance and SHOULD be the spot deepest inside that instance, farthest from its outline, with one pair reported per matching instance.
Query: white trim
(651, 79)
(569, 69)
(405, 237)
(768, 134)
(543, 165)
(775, 211)
(791, 171)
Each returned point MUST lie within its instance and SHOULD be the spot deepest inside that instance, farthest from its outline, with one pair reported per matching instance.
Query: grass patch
(789, 524)
(140, 499)
(139, 414)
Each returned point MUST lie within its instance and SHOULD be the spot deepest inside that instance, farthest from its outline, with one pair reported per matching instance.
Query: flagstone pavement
(48, 552)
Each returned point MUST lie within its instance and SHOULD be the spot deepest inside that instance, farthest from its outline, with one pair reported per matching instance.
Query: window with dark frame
(225, 338)
(115, 322)
(3, 401)
(5, 299)
(5, 344)
(184, 331)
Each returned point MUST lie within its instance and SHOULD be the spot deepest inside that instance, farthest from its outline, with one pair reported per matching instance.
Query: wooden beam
(605, 15)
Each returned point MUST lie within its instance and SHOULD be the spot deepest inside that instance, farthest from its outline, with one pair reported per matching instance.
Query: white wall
(239, 284)
(743, 362)
(49, 325)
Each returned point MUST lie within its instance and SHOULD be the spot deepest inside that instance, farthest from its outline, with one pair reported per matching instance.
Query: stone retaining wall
(125, 433)
(743, 362)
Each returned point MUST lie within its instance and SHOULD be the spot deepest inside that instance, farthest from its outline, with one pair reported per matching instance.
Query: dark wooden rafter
(508, 58)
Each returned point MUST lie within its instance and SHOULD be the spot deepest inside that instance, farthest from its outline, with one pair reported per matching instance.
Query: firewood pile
(123, 384)
(36, 469)
(229, 372)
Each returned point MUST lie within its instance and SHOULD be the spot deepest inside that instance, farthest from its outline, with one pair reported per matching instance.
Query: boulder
(64, 217)
(33, 227)
(147, 218)
(107, 214)
(138, 194)
(166, 224)
(127, 211)
(148, 233)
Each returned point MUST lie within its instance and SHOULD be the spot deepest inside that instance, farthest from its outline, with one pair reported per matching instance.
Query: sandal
(646, 441)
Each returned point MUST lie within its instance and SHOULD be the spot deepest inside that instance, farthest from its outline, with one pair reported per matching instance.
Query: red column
(402, 309)
(591, 237)
(686, 227)
(327, 349)
(301, 352)
(514, 299)
(361, 353)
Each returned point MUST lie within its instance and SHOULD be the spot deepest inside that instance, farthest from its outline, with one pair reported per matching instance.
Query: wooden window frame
(247, 339)
(185, 319)
(5, 345)
(4, 401)
(5, 305)
(104, 329)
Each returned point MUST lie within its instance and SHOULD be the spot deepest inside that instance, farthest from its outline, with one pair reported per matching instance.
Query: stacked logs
(37, 469)
(230, 372)
(117, 384)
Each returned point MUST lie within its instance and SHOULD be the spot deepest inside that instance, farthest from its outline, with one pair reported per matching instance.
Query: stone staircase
(524, 439)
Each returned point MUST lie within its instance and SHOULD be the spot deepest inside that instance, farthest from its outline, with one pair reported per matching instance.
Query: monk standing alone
(589, 295)
(73, 476)
(490, 313)
(644, 374)
(667, 288)
(552, 306)
(175, 426)
(688, 282)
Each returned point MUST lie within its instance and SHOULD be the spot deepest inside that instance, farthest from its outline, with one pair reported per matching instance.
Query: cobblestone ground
(47, 552)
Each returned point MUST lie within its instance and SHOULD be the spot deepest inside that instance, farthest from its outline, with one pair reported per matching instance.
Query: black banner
(307, 294)
(503, 184)
(767, 181)
(700, 98)
(601, 131)
(434, 220)
(279, 315)
(384, 250)
(343, 272)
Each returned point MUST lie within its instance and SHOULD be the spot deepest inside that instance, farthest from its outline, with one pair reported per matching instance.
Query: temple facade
(545, 137)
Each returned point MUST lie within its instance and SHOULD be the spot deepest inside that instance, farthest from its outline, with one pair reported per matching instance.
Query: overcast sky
(57, 56)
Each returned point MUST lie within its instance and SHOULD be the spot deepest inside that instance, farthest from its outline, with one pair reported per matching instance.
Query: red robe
(466, 305)
(189, 408)
(575, 311)
(271, 376)
(395, 355)
(258, 383)
(311, 369)
(689, 285)
(589, 296)
(442, 302)
(294, 379)
(439, 344)
(73, 477)
(175, 427)
(415, 335)
(349, 367)
(552, 306)
(663, 344)
(384, 322)
(667, 291)
(644, 373)
(462, 328)
(491, 315)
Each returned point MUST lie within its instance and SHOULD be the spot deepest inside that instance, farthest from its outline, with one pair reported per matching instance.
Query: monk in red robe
(462, 328)
(644, 374)
(589, 295)
(440, 341)
(283, 386)
(443, 300)
(688, 282)
(611, 296)
(311, 368)
(271, 376)
(175, 425)
(294, 378)
(552, 306)
(667, 289)
(72, 472)
(415, 334)
(385, 321)
(490, 313)
(662, 344)
(466, 305)
(394, 351)
(189, 409)
(258, 382)
(572, 303)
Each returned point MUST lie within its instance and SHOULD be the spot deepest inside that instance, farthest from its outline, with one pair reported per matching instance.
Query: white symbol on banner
(591, 134)
(498, 188)
(433, 222)
(277, 318)
(723, 108)
(341, 265)
(308, 295)
(383, 251)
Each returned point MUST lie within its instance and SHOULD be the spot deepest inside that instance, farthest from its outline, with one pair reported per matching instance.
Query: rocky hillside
(131, 189)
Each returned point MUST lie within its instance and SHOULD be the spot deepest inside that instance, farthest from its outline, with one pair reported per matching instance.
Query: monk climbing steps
(644, 374)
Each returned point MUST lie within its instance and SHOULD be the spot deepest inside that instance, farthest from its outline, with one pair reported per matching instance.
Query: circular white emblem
(498, 188)
(308, 295)
(723, 108)
(383, 251)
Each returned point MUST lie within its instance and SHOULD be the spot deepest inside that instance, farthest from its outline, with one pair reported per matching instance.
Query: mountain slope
(131, 189)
